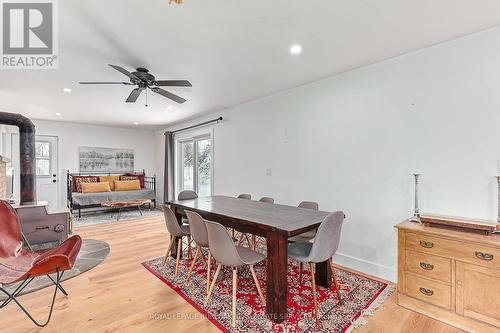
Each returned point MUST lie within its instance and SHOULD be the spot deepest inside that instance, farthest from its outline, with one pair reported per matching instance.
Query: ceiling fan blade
(126, 83)
(169, 95)
(134, 95)
(173, 83)
(124, 71)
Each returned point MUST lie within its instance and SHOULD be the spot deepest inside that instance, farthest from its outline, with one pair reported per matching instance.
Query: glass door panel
(187, 166)
(203, 166)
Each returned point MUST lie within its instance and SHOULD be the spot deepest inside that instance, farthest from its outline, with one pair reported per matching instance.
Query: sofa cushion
(127, 185)
(110, 179)
(95, 187)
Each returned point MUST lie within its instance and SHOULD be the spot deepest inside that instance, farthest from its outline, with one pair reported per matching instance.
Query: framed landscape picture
(106, 159)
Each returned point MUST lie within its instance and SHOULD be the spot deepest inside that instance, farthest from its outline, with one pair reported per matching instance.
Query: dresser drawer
(429, 266)
(428, 291)
(462, 251)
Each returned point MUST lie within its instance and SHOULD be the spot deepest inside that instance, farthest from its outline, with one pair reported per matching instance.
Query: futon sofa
(78, 200)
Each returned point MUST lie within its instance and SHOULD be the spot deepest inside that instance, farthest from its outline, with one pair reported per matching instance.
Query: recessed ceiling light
(296, 49)
(169, 107)
(136, 123)
(58, 114)
(66, 90)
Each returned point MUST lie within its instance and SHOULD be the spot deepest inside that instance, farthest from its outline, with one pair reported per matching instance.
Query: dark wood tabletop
(286, 220)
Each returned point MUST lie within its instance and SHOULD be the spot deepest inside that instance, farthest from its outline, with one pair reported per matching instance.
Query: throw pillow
(88, 179)
(127, 185)
(95, 187)
(110, 179)
(139, 176)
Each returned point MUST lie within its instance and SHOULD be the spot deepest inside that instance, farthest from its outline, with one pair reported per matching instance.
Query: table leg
(277, 284)
(324, 274)
(177, 239)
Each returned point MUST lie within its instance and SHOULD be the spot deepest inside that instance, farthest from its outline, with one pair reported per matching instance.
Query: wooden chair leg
(315, 300)
(335, 282)
(179, 246)
(209, 264)
(196, 254)
(190, 254)
(235, 286)
(300, 272)
(213, 284)
(168, 250)
(257, 284)
(241, 239)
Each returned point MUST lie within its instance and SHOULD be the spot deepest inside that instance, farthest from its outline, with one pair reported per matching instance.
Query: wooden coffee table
(120, 205)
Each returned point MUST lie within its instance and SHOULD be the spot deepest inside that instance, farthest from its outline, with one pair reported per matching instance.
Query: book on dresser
(451, 275)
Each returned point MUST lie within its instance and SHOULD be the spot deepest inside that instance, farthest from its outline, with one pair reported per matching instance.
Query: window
(195, 165)
(42, 154)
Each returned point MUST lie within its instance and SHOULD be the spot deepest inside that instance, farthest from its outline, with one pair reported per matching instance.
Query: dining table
(276, 223)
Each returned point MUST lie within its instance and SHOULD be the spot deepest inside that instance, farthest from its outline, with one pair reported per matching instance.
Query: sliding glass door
(195, 165)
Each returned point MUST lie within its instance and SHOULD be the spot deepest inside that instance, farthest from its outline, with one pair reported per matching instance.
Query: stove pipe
(26, 153)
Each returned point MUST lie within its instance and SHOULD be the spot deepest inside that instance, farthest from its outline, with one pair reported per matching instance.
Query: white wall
(72, 135)
(351, 142)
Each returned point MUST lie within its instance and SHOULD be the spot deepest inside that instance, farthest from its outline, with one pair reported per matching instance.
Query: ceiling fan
(144, 80)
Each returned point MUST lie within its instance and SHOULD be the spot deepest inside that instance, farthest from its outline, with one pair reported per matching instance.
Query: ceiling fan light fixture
(67, 90)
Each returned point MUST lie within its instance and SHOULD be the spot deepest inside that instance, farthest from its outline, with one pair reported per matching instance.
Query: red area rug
(361, 297)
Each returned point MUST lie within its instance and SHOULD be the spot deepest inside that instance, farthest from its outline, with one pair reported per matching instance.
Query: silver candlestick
(416, 212)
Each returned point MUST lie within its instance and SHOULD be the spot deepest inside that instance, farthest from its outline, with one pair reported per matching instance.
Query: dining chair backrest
(198, 228)
(172, 225)
(309, 205)
(245, 196)
(327, 238)
(186, 195)
(222, 245)
(266, 199)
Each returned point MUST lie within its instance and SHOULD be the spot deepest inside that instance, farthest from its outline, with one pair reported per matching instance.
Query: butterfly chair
(18, 264)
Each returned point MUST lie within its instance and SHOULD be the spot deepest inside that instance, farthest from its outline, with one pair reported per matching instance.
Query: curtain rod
(197, 125)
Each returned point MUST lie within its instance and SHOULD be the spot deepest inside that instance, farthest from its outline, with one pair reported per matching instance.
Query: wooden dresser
(450, 275)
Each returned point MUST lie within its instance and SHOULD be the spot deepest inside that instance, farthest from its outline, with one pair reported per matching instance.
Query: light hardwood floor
(121, 296)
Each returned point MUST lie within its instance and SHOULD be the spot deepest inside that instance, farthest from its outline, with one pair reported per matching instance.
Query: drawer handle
(426, 292)
(427, 245)
(484, 256)
(426, 266)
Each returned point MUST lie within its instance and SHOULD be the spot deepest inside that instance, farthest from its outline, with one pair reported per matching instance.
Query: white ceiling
(232, 51)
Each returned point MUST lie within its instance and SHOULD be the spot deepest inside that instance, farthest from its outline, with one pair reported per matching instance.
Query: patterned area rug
(361, 296)
(109, 216)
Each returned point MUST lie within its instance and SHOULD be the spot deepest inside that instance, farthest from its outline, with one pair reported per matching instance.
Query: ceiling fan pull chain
(146, 98)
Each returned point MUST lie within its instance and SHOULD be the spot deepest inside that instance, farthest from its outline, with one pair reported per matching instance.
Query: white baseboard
(368, 267)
